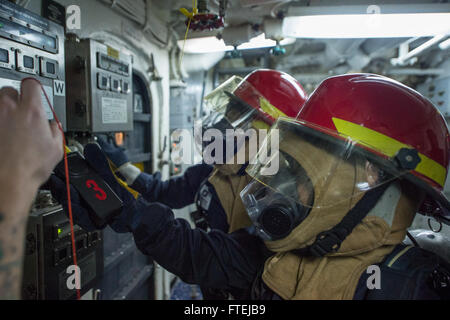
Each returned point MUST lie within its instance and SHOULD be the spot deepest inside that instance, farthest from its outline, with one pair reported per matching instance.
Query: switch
(103, 81)
(115, 85)
(125, 87)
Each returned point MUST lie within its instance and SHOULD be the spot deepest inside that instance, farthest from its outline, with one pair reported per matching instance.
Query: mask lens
(273, 214)
(277, 221)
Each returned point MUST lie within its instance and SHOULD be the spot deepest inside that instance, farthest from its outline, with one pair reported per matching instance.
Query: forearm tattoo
(11, 257)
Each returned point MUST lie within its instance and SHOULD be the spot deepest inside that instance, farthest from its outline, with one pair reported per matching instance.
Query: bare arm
(29, 150)
(12, 236)
(15, 203)
(11, 259)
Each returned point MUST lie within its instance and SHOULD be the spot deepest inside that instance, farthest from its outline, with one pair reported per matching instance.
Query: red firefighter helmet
(387, 118)
(239, 105)
(262, 95)
(280, 89)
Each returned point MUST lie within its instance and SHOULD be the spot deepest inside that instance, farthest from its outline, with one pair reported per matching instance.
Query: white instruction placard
(114, 110)
(49, 90)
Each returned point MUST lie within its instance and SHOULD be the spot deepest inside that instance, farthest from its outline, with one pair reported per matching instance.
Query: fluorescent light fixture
(203, 45)
(212, 44)
(367, 25)
(261, 42)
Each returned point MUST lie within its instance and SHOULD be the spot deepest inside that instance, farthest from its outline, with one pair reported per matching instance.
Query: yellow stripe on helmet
(271, 110)
(389, 147)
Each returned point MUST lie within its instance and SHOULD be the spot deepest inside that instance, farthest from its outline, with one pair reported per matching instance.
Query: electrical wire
(191, 16)
(184, 43)
(66, 171)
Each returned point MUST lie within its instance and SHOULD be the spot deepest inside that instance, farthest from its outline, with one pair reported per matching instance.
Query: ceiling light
(212, 44)
(261, 42)
(367, 25)
(203, 45)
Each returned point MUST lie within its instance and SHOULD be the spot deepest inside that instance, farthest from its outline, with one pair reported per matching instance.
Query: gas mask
(233, 110)
(276, 212)
(231, 126)
(316, 171)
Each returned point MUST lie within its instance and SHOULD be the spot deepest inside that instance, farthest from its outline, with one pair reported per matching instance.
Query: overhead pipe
(404, 58)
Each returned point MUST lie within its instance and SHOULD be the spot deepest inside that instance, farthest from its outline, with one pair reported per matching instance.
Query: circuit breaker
(99, 94)
(48, 255)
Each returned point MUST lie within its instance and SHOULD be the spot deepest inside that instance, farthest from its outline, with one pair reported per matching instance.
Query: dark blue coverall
(229, 262)
(181, 191)
(234, 262)
(191, 187)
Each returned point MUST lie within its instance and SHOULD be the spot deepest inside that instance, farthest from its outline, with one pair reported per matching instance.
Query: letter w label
(59, 88)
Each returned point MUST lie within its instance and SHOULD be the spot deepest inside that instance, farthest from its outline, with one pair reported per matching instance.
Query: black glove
(115, 153)
(123, 222)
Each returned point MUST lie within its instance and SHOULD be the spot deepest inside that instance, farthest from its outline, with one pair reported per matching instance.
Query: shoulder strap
(331, 240)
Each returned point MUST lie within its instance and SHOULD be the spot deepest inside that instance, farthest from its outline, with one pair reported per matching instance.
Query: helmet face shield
(232, 136)
(234, 108)
(227, 106)
(317, 168)
(236, 115)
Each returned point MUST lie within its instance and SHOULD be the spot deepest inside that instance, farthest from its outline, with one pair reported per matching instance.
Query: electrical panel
(31, 46)
(48, 254)
(100, 93)
(438, 91)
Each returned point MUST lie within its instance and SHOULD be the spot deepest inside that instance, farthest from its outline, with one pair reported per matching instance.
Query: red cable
(66, 169)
